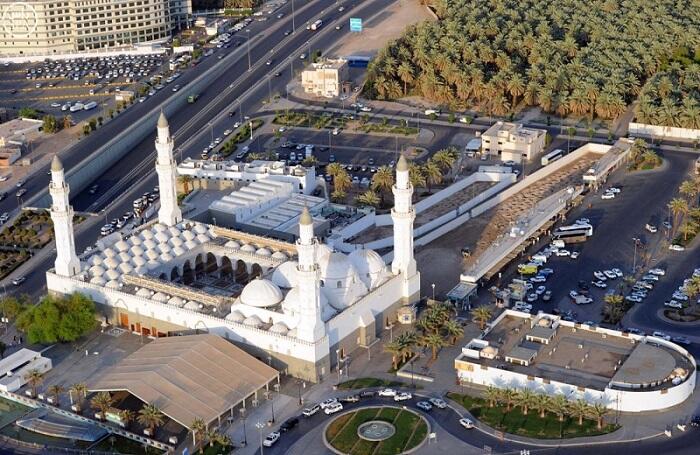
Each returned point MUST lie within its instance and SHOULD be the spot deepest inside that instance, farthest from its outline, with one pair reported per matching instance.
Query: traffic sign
(355, 24)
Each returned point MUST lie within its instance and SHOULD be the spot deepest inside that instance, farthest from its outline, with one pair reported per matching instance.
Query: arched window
(340, 284)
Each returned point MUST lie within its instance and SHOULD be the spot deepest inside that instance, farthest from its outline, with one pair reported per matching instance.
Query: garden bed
(363, 383)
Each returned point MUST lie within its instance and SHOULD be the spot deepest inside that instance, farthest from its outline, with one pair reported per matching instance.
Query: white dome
(138, 261)
(153, 264)
(176, 241)
(323, 250)
(263, 252)
(201, 238)
(252, 321)
(279, 327)
(369, 266)
(136, 250)
(152, 255)
(109, 253)
(146, 235)
(121, 245)
(248, 248)
(124, 257)
(95, 259)
(149, 244)
(159, 228)
(232, 244)
(125, 267)
(341, 282)
(190, 244)
(261, 293)
(113, 284)
(177, 301)
(285, 276)
(235, 316)
(96, 270)
(199, 228)
(162, 237)
(174, 232)
(178, 251)
(335, 266)
(166, 257)
(279, 256)
(111, 263)
(164, 248)
(98, 280)
(143, 292)
(135, 240)
(290, 306)
(188, 235)
(141, 270)
(160, 297)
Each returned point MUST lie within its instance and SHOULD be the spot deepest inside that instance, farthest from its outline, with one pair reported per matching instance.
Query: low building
(15, 367)
(622, 371)
(15, 131)
(512, 141)
(325, 78)
(8, 156)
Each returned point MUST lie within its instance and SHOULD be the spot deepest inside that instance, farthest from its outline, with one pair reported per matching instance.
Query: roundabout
(378, 430)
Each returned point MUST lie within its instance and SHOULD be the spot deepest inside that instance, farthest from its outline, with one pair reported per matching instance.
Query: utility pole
(248, 32)
(294, 28)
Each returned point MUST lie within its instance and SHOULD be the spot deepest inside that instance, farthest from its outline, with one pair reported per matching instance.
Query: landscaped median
(410, 431)
(364, 383)
(550, 419)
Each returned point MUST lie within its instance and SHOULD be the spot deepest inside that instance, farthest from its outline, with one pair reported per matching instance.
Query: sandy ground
(382, 28)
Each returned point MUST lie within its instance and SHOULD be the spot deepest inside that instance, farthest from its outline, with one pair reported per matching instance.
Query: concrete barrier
(665, 132)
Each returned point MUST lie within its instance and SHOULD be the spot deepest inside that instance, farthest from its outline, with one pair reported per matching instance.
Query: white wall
(668, 132)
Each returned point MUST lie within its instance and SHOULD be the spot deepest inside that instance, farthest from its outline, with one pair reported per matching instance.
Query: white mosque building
(302, 307)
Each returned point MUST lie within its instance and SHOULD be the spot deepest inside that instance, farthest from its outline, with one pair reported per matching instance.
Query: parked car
(337, 407)
(608, 196)
(387, 393)
(311, 410)
(676, 247)
(367, 394)
(659, 334)
(547, 296)
(424, 405)
(657, 271)
(271, 438)
(438, 403)
(402, 396)
(19, 280)
(599, 284)
(289, 424)
(673, 304)
(329, 402)
(681, 340)
(350, 399)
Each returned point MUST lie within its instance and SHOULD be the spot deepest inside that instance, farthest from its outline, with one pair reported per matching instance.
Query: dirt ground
(382, 28)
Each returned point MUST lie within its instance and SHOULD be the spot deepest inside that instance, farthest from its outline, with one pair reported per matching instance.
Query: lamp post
(337, 356)
(245, 436)
(260, 427)
(294, 28)
(302, 385)
(634, 260)
(433, 286)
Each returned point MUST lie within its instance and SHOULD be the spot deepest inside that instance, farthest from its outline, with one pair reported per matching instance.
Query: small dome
(369, 266)
(162, 237)
(111, 263)
(124, 257)
(113, 284)
(202, 238)
(192, 306)
(178, 251)
(335, 266)
(125, 267)
(146, 234)
(235, 316)
(252, 321)
(111, 274)
(199, 228)
(135, 240)
(160, 297)
(190, 244)
(166, 257)
(174, 232)
(121, 246)
(232, 244)
(143, 292)
(98, 280)
(136, 250)
(150, 244)
(140, 270)
(263, 252)
(138, 261)
(109, 253)
(159, 228)
(95, 259)
(152, 255)
(285, 276)
(279, 327)
(261, 293)
(177, 301)
(248, 248)
(176, 241)
(96, 270)
(279, 255)
(164, 248)
(188, 235)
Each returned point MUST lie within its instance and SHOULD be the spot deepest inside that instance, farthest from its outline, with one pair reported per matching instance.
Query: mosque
(301, 307)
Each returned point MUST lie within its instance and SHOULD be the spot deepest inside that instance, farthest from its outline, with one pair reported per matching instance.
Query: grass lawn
(362, 383)
(410, 431)
(119, 444)
(531, 425)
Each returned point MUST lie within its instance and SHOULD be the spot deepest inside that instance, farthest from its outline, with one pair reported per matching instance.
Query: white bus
(573, 233)
(90, 105)
(552, 156)
(316, 25)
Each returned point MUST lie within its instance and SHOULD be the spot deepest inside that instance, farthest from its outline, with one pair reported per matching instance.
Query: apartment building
(325, 78)
(512, 141)
(61, 26)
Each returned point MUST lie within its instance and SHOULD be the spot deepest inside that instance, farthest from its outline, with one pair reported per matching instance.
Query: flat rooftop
(579, 355)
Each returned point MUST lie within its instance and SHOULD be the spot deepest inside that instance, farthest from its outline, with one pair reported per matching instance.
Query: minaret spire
(169, 213)
(311, 327)
(402, 216)
(67, 263)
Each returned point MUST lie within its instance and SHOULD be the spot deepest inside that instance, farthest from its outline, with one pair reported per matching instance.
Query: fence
(666, 132)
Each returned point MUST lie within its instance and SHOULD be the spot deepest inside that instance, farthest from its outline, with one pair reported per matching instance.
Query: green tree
(492, 395)
(508, 397)
(28, 112)
(559, 405)
(433, 341)
(432, 174)
(542, 404)
(382, 181)
(55, 390)
(198, 427)
(416, 176)
(454, 330)
(50, 124)
(150, 417)
(679, 208)
(598, 412)
(11, 306)
(127, 416)
(80, 390)
(102, 402)
(368, 198)
(526, 399)
(57, 319)
(185, 181)
(579, 409)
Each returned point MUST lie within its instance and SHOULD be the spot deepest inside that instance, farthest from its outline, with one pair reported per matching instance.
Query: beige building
(325, 78)
(62, 26)
(512, 141)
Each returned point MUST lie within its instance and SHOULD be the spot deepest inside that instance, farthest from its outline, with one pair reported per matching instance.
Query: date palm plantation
(582, 57)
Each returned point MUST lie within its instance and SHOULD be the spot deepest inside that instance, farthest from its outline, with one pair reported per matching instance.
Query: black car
(367, 394)
(3, 196)
(289, 424)
(583, 285)
(231, 113)
(695, 421)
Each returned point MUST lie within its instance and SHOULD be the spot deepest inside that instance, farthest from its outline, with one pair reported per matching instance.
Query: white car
(617, 272)
(308, 412)
(271, 438)
(583, 221)
(673, 304)
(680, 296)
(610, 274)
(424, 405)
(55, 104)
(337, 407)
(438, 403)
(658, 272)
(329, 402)
(575, 254)
(633, 298)
(608, 196)
(403, 396)
(466, 423)
(600, 275)
(599, 284)
(532, 297)
(675, 247)
(650, 277)
(614, 189)
(540, 290)
(651, 228)
(387, 393)
(661, 335)
(563, 253)
(227, 132)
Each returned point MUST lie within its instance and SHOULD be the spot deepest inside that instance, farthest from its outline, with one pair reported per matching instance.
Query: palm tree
(432, 173)
(197, 427)
(396, 349)
(415, 175)
(342, 181)
(678, 208)
(516, 87)
(481, 315)
(185, 181)
(492, 395)
(34, 377)
(407, 341)
(78, 389)
(433, 341)
(526, 399)
(579, 409)
(405, 73)
(508, 397)
(334, 169)
(56, 390)
(690, 190)
(543, 403)
(598, 412)
(150, 417)
(559, 405)
(368, 198)
(383, 180)
(102, 402)
(454, 330)
(127, 416)
(445, 158)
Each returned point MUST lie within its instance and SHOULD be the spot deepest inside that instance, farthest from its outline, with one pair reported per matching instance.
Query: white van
(432, 111)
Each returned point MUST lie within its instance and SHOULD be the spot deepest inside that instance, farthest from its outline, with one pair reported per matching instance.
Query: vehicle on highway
(271, 438)
(337, 407)
(21, 192)
(424, 405)
(311, 410)
(20, 183)
(316, 25)
(695, 421)
(466, 423)
(19, 280)
(192, 98)
(268, 63)
(339, 26)
(402, 396)
(387, 393)
(54, 104)
(438, 403)
(289, 424)
(650, 277)
(227, 132)
(176, 88)
(366, 109)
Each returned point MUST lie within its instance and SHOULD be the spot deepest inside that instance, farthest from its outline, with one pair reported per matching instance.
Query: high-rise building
(51, 27)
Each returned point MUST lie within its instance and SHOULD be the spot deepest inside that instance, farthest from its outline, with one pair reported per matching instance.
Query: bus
(552, 156)
(573, 234)
(316, 25)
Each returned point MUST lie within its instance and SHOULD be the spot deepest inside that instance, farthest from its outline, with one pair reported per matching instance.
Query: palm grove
(586, 58)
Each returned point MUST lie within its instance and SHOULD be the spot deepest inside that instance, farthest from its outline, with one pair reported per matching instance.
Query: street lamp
(245, 436)
(634, 260)
(337, 356)
(260, 427)
(433, 286)
(302, 385)
(294, 28)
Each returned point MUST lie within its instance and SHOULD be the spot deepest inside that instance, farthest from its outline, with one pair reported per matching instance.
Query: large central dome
(340, 281)
(261, 293)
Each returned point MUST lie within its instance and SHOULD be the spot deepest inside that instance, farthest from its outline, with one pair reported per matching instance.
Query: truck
(192, 98)
(527, 269)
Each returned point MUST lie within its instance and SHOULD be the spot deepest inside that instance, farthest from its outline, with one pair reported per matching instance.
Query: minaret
(67, 263)
(402, 216)
(169, 213)
(311, 328)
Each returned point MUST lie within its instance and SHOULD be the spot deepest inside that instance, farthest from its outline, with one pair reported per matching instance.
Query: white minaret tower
(67, 263)
(169, 213)
(311, 328)
(402, 216)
